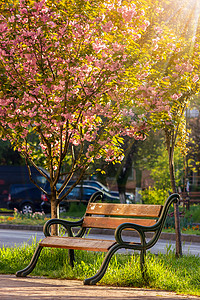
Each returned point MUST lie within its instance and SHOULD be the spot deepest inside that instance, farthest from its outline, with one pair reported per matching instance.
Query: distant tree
(192, 160)
(159, 170)
(169, 85)
(138, 155)
(8, 156)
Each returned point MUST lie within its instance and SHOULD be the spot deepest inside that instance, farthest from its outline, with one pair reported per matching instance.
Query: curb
(164, 235)
(21, 227)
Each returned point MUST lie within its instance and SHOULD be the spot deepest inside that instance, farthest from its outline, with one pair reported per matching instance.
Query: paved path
(35, 288)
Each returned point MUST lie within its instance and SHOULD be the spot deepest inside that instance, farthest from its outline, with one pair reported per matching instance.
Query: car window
(89, 190)
(40, 179)
(74, 194)
(97, 184)
(15, 189)
(47, 187)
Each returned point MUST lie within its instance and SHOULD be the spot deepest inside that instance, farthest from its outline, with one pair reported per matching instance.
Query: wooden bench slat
(113, 223)
(77, 243)
(114, 209)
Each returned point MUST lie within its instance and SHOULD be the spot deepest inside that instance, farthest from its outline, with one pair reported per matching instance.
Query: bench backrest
(111, 215)
(190, 194)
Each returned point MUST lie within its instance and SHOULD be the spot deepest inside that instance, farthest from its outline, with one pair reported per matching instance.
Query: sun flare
(185, 18)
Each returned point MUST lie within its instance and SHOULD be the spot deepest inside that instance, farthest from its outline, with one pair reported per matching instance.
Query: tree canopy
(62, 77)
(65, 70)
(77, 76)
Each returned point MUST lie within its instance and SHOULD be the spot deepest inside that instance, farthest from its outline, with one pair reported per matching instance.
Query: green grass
(193, 230)
(164, 272)
(5, 210)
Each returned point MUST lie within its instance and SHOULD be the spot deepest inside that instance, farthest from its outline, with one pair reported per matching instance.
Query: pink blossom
(72, 79)
(195, 78)
(108, 26)
(3, 27)
(128, 13)
(117, 47)
(176, 96)
(159, 9)
(98, 46)
(142, 76)
(168, 123)
(24, 10)
(136, 36)
(52, 24)
(175, 75)
(158, 30)
(145, 25)
(184, 67)
(11, 19)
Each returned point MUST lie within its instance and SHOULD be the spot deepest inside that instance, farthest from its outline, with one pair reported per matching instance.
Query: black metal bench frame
(107, 246)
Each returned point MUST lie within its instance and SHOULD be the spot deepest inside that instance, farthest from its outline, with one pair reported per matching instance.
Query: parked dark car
(10, 175)
(79, 194)
(26, 198)
(102, 187)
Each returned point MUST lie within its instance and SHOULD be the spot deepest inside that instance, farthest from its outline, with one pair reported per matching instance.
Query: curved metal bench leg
(94, 279)
(71, 257)
(31, 266)
(142, 262)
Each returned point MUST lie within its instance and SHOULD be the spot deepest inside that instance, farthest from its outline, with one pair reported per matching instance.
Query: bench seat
(77, 243)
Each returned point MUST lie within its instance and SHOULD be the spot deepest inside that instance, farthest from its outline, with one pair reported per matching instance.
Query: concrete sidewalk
(35, 288)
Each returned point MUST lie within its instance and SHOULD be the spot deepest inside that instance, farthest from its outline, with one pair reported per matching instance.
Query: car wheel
(27, 208)
(63, 208)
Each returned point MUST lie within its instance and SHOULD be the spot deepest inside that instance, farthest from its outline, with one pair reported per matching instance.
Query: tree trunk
(54, 214)
(124, 171)
(122, 191)
(138, 177)
(176, 207)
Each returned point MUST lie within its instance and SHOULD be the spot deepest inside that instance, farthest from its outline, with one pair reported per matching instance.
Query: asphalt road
(12, 238)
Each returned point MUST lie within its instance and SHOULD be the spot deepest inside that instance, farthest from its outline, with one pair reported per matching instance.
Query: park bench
(188, 198)
(139, 217)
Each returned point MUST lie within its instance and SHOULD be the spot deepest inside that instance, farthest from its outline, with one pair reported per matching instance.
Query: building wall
(146, 181)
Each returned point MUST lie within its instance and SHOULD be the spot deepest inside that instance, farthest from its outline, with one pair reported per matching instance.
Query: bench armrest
(67, 224)
(140, 229)
(157, 228)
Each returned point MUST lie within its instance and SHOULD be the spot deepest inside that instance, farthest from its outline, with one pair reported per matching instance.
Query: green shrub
(187, 217)
(185, 221)
(154, 196)
(193, 213)
(75, 210)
